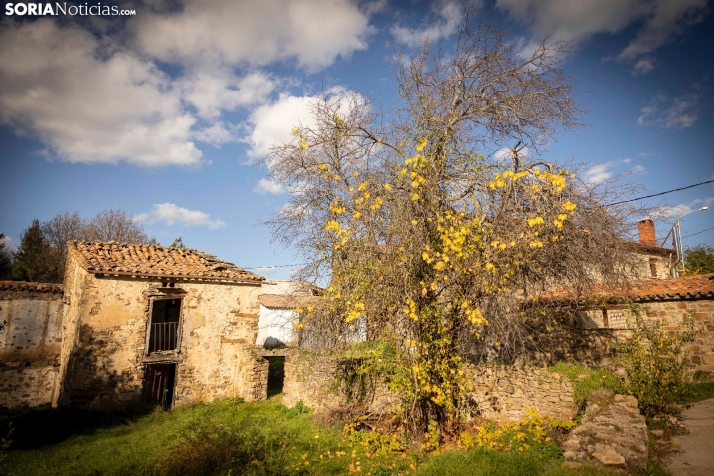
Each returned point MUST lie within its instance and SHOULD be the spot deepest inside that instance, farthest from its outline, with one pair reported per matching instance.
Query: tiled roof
(701, 286)
(126, 259)
(31, 287)
(688, 287)
(285, 301)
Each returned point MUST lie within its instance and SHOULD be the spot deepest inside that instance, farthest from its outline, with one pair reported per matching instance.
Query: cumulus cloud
(212, 91)
(171, 214)
(272, 123)
(677, 113)
(87, 104)
(449, 14)
(102, 96)
(638, 169)
(578, 20)
(269, 186)
(314, 32)
(599, 173)
(217, 134)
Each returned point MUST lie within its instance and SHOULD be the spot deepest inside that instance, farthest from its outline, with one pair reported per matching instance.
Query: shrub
(656, 363)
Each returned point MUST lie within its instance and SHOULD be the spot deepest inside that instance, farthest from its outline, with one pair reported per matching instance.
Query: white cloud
(682, 208)
(638, 169)
(663, 19)
(578, 20)
(314, 32)
(269, 186)
(88, 101)
(679, 114)
(212, 91)
(643, 66)
(272, 124)
(505, 153)
(599, 173)
(9, 244)
(173, 214)
(216, 134)
(450, 14)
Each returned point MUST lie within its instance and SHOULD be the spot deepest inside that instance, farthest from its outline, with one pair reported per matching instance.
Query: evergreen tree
(31, 258)
(5, 259)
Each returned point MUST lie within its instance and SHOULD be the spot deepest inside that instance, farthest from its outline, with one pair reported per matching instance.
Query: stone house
(132, 323)
(164, 325)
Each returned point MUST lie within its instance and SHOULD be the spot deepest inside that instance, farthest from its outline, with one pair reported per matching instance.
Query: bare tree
(57, 231)
(430, 240)
(115, 225)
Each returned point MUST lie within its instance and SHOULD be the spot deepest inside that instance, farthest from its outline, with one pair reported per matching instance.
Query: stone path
(696, 457)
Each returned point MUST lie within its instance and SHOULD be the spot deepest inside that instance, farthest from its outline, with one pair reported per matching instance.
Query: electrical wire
(278, 266)
(661, 193)
(712, 228)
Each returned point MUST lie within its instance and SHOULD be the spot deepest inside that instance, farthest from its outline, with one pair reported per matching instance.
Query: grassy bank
(232, 437)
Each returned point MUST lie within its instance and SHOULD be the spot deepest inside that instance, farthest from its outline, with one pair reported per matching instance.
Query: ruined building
(135, 323)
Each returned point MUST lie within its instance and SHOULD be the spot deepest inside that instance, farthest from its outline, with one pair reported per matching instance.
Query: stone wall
(30, 342)
(501, 392)
(104, 355)
(504, 392)
(672, 314)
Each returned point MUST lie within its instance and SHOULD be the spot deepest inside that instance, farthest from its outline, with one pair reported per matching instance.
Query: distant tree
(31, 260)
(699, 259)
(115, 225)
(57, 231)
(178, 243)
(45, 254)
(5, 258)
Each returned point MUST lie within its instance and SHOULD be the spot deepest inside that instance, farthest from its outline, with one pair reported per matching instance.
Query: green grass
(237, 438)
(586, 380)
(699, 391)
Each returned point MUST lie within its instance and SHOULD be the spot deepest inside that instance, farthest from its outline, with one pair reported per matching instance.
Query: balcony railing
(164, 336)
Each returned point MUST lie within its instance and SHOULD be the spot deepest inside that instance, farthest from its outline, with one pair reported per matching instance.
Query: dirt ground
(696, 455)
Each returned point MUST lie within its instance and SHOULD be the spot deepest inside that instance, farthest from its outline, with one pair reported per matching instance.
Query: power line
(712, 228)
(278, 266)
(661, 193)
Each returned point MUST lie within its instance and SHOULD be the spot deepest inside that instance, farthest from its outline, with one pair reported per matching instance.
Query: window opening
(165, 314)
(159, 384)
(653, 268)
(276, 375)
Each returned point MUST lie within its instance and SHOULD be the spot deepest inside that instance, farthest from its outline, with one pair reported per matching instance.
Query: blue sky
(165, 114)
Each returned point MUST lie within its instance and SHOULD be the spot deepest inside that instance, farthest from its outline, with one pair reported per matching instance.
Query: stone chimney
(646, 230)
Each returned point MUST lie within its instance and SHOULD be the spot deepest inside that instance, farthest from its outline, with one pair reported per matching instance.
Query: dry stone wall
(501, 392)
(504, 392)
(30, 345)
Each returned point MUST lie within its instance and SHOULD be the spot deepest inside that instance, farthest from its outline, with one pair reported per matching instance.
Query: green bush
(656, 364)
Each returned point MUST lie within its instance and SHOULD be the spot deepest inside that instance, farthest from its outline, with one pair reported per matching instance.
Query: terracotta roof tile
(155, 261)
(688, 287)
(285, 301)
(31, 287)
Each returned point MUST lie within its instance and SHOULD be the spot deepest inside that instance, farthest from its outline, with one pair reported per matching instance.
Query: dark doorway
(276, 375)
(159, 384)
(165, 314)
